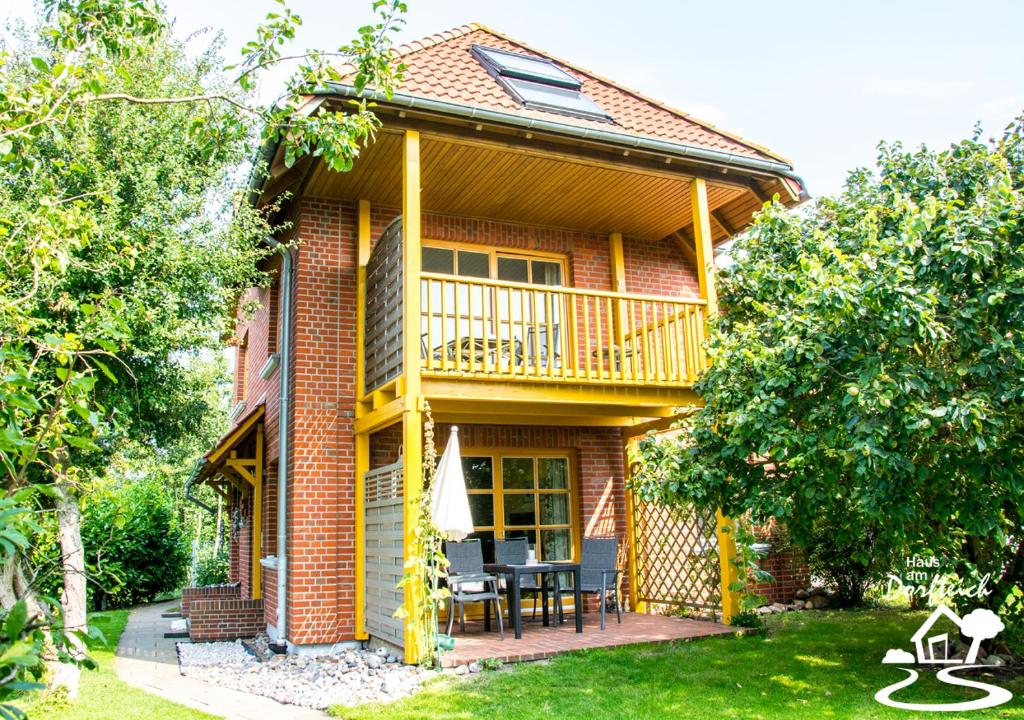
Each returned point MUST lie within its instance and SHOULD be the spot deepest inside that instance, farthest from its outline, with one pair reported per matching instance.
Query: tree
(121, 246)
(867, 368)
(133, 546)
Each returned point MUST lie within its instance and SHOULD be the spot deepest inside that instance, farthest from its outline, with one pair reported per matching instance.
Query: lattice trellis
(677, 557)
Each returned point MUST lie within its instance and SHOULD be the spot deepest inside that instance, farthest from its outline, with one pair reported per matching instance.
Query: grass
(811, 665)
(102, 695)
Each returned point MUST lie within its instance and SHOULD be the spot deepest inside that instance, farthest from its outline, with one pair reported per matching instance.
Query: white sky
(820, 82)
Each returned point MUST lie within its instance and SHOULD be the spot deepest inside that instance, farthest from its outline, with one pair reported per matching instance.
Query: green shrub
(212, 569)
(847, 571)
(133, 547)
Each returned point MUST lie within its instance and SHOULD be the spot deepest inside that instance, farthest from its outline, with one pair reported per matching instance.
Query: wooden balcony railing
(507, 330)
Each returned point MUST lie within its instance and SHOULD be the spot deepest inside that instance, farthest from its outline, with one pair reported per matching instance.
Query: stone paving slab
(148, 660)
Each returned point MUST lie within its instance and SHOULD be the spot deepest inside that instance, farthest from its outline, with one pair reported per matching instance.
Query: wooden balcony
(497, 330)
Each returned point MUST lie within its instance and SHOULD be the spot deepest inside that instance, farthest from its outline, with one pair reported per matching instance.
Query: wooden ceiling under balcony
(526, 182)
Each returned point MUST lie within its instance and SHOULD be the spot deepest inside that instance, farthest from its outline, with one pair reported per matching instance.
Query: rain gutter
(718, 158)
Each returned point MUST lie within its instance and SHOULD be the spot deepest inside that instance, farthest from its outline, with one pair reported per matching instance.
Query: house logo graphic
(934, 649)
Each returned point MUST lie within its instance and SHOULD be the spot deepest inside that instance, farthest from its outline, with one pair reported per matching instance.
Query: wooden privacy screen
(384, 553)
(383, 335)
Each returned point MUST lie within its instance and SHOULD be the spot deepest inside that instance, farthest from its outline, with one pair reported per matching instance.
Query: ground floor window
(523, 493)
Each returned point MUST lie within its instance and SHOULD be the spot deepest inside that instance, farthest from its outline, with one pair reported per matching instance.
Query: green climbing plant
(427, 565)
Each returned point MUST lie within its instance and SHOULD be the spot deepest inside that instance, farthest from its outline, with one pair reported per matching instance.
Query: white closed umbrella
(449, 502)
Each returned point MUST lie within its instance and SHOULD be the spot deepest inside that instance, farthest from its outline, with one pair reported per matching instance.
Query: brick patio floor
(541, 642)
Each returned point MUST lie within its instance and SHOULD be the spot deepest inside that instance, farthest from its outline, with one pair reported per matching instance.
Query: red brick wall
(321, 484)
(651, 268)
(789, 570)
(206, 592)
(674, 276)
(386, 446)
(217, 619)
(321, 487)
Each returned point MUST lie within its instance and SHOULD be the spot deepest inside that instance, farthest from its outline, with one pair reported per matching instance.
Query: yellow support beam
(706, 278)
(362, 463)
(362, 439)
(618, 262)
(411, 249)
(703, 244)
(631, 569)
(257, 518)
(729, 571)
(412, 418)
(412, 472)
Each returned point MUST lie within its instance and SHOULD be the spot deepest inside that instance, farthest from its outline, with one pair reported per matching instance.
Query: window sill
(237, 410)
(273, 360)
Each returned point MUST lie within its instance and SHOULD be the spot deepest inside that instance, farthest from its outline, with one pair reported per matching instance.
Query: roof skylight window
(538, 83)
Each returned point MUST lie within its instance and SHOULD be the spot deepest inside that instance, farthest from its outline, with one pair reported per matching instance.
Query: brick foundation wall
(206, 592)
(216, 619)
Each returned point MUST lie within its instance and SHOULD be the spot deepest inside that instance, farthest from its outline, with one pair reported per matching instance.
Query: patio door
(527, 494)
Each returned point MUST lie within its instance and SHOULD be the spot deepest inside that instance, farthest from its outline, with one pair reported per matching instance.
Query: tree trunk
(72, 600)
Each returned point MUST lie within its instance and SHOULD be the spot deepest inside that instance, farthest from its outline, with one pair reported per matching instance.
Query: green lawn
(812, 665)
(102, 696)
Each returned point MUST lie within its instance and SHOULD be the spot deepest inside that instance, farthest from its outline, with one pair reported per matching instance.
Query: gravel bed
(348, 677)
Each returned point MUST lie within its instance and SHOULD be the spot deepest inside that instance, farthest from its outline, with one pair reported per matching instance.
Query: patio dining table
(515, 573)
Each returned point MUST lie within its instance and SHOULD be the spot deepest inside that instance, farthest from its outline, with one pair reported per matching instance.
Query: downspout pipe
(283, 417)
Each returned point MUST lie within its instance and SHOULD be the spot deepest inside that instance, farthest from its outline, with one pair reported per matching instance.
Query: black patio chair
(516, 551)
(599, 573)
(468, 583)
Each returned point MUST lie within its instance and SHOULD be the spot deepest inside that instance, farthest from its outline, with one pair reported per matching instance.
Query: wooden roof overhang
(490, 171)
(235, 464)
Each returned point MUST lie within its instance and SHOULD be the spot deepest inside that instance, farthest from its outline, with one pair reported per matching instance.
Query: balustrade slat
(634, 358)
(575, 341)
(430, 325)
(666, 351)
(586, 336)
(444, 327)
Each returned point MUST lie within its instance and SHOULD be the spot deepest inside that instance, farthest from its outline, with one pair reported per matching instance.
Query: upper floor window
(241, 368)
(538, 83)
(494, 264)
(273, 315)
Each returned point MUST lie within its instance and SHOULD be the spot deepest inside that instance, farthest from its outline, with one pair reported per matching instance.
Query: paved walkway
(146, 659)
(541, 642)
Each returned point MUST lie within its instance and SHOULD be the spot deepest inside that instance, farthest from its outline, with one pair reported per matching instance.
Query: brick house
(527, 250)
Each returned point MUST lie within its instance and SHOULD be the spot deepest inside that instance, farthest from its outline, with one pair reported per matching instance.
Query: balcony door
(486, 316)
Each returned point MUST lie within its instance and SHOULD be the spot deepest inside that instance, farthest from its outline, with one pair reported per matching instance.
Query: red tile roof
(442, 67)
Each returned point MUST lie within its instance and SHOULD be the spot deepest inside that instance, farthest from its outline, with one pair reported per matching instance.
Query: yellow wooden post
(706, 278)
(257, 518)
(729, 571)
(702, 244)
(631, 569)
(362, 439)
(617, 331)
(412, 420)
